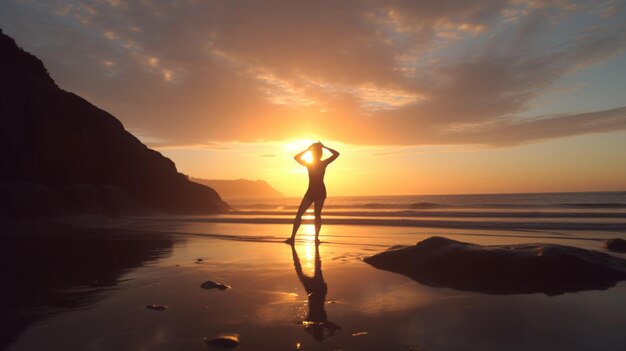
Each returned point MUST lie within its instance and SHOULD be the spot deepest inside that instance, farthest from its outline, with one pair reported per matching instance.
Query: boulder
(503, 269)
(617, 245)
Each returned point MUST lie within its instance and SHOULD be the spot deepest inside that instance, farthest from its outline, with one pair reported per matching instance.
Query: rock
(55, 138)
(209, 284)
(362, 333)
(227, 341)
(22, 199)
(617, 245)
(98, 198)
(506, 269)
(156, 307)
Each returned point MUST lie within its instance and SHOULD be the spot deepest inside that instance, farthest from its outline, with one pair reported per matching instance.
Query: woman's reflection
(316, 322)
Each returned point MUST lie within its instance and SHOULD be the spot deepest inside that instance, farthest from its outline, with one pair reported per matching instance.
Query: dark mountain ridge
(57, 139)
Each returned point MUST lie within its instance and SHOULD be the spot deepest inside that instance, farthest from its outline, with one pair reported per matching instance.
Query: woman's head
(316, 151)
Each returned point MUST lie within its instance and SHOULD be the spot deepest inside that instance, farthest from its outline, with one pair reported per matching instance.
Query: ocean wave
(434, 206)
(504, 225)
(371, 205)
(596, 205)
(414, 205)
(459, 214)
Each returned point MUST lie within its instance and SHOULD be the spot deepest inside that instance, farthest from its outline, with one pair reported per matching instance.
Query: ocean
(593, 211)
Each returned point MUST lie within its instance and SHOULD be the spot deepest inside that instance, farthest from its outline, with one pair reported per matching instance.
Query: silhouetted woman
(316, 193)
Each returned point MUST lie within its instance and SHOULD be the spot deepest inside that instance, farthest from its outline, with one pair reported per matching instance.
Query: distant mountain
(58, 152)
(240, 188)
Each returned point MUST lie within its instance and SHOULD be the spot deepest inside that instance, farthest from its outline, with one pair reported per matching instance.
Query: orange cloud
(388, 72)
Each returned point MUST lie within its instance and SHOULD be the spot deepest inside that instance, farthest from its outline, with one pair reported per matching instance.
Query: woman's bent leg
(304, 205)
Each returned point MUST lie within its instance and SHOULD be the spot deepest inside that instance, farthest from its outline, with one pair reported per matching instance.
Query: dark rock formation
(617, 245)
(240, 188)
(505, 269)
(51, 140)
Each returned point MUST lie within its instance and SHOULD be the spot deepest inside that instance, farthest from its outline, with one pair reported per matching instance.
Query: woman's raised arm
(333, 157)
(298, 157)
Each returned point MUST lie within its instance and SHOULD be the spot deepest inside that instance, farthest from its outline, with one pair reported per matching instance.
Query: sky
(420, 97)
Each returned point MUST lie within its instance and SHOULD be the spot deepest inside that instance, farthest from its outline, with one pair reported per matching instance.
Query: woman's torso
(316, 176)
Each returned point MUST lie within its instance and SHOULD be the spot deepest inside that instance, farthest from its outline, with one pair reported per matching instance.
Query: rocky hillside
(59, 152)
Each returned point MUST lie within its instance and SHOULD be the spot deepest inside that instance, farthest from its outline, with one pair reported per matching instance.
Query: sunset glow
(514, 96)
(370, 170)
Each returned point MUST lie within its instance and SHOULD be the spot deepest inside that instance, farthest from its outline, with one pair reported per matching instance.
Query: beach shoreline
(267, 305)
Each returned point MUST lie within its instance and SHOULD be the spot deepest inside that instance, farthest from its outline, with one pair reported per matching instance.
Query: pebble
(227, 341)
(156, 307)
(209, 284)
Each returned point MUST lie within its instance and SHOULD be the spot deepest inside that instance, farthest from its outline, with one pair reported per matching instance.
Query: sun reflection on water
(308, 232)
(309, 214)
(308, 246)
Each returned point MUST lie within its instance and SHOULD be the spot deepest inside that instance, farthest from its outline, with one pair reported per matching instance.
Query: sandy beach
(100, 303)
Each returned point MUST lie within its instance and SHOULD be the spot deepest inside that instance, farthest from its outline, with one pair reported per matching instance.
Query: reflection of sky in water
(268, 303)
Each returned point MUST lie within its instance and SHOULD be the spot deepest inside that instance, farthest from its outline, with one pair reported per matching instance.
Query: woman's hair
(316, 151)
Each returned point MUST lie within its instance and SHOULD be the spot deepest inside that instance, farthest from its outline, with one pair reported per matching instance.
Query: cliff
(56, 146)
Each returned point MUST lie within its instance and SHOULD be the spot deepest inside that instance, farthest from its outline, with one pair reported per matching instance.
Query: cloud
(512, 131)
(392, 72)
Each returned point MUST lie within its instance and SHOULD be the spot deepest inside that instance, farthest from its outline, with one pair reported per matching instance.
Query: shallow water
(602, 211)
(268, 304)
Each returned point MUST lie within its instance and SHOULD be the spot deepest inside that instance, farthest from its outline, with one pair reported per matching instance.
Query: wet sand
(97, 299)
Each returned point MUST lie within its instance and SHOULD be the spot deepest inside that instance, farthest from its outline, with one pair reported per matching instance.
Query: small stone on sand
(360, 333)
(227, 341)
(209, 284)
(156, 307)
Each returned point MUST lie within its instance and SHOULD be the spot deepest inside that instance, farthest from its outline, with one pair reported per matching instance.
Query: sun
(307, 157)
(297, 145)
